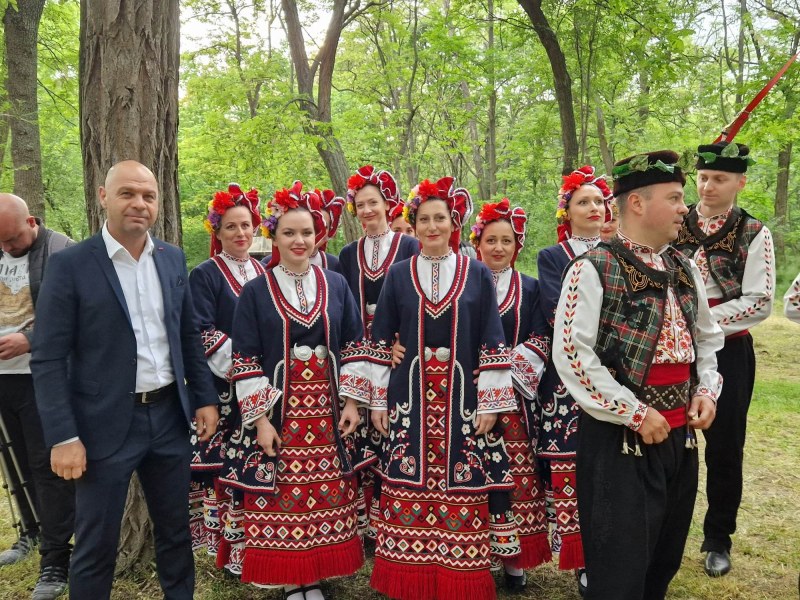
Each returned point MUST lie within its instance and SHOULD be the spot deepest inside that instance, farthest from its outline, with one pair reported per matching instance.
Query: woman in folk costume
(372, 196)
(331, 210)
(440, 461)
(583, 207)
(498, 236)
(216, 284)
(397, 221)
(299, 375)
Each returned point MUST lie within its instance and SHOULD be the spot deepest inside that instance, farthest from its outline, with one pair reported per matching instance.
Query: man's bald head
(130, 199)
(18, 229)
(125, 168)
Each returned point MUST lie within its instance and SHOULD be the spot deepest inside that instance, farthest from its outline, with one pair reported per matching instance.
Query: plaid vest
(726, 250)
(632, 314)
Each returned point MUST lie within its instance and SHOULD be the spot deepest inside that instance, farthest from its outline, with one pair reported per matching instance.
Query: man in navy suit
(114, 346)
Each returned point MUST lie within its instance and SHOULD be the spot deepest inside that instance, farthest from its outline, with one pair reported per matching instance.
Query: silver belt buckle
(321, 352)
(302, 352)
(371, 309)
(144, 399)
(442, 354)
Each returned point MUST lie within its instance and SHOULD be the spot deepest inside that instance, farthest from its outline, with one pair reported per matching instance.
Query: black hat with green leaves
(646, 169)
(724, 156)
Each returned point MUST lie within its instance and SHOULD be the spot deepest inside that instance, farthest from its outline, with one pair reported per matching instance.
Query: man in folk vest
(734, 253)
(636, 348)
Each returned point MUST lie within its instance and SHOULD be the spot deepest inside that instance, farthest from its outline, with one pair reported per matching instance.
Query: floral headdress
(580, 177)
(289, 199)
(333, 204)
(383, 180)
(397, 211)
(500, 211)
(219, 205)
(458, 201)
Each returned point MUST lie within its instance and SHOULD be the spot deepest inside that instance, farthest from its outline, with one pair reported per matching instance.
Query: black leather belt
(153, 396)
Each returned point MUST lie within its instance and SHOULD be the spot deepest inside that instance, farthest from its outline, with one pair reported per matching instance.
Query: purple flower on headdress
(215, 219)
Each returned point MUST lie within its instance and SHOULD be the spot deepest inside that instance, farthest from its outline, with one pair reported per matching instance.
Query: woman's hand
(484, 423)
(267, 437)
(380, 421)
(350, 418)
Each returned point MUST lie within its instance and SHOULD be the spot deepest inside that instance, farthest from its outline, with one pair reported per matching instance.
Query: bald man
(25, 248)
(116, 348)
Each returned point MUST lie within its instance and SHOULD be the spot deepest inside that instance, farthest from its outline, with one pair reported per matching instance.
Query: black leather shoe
(580, 575)
(516, 583)
(717, 564)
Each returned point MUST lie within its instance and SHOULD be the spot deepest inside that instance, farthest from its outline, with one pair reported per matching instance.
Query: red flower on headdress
(383, 180)
(428, 190)
(494, 212)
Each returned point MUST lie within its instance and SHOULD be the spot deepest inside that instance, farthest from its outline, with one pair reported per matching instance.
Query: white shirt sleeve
(709, 339)
(220, 362)
(758, 289)
(574, 338)
(791, 301)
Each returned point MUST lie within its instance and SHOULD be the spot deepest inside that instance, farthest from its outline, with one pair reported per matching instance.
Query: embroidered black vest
(726, 250)
(632, 313)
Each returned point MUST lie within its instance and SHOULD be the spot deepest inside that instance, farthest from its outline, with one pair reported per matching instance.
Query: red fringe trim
(223, 553)
(571, 555)
(535, 551)
(299, 567)
(430, 582)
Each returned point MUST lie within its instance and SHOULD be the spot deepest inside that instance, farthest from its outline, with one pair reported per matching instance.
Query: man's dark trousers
(157, 448)
(725, 442)
(53, 498)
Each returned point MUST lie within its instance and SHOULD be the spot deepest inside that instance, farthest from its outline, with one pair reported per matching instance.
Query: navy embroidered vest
(726, 250)
(632, 313)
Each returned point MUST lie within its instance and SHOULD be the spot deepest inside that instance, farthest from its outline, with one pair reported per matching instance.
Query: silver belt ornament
(442, 354)
(306, 352)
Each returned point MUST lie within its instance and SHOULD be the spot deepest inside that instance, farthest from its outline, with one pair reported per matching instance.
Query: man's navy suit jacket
(83, 358)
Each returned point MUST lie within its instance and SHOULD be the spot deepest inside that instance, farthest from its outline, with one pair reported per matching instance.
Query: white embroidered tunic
(577, 323)
(758, 281)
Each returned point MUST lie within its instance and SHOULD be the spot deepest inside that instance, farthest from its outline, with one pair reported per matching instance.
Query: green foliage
(412, 87)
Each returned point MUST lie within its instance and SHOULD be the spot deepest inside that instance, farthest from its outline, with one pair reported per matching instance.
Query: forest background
(502, 95)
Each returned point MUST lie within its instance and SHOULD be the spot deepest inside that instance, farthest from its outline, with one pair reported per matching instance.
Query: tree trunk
(318, 106)
(21, 30)
(136, 538)
(129, 53)
(605, 151)
(562, 82)
(491, 116)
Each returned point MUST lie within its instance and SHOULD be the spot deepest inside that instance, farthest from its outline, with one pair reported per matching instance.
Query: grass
(766, 546)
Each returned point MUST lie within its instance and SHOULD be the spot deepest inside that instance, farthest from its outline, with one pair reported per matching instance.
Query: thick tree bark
(562, 82)
(129, 55)
(21, 30)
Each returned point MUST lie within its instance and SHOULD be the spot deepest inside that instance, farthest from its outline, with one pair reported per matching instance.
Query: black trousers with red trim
(736, 362)
(635, 511)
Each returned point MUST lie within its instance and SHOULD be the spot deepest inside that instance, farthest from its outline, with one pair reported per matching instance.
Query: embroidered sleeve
(380, 386)
(528, 361)
(256, 396)
(495, 388)
(574, 338)
(791, 301)
(220, 361)
(709, 340)
(758, 289)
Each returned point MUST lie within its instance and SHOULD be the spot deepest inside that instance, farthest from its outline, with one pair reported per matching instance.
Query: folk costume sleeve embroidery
(758, 289)
(525, 328)
(791, 301)
(735, 255)
(574, 337)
